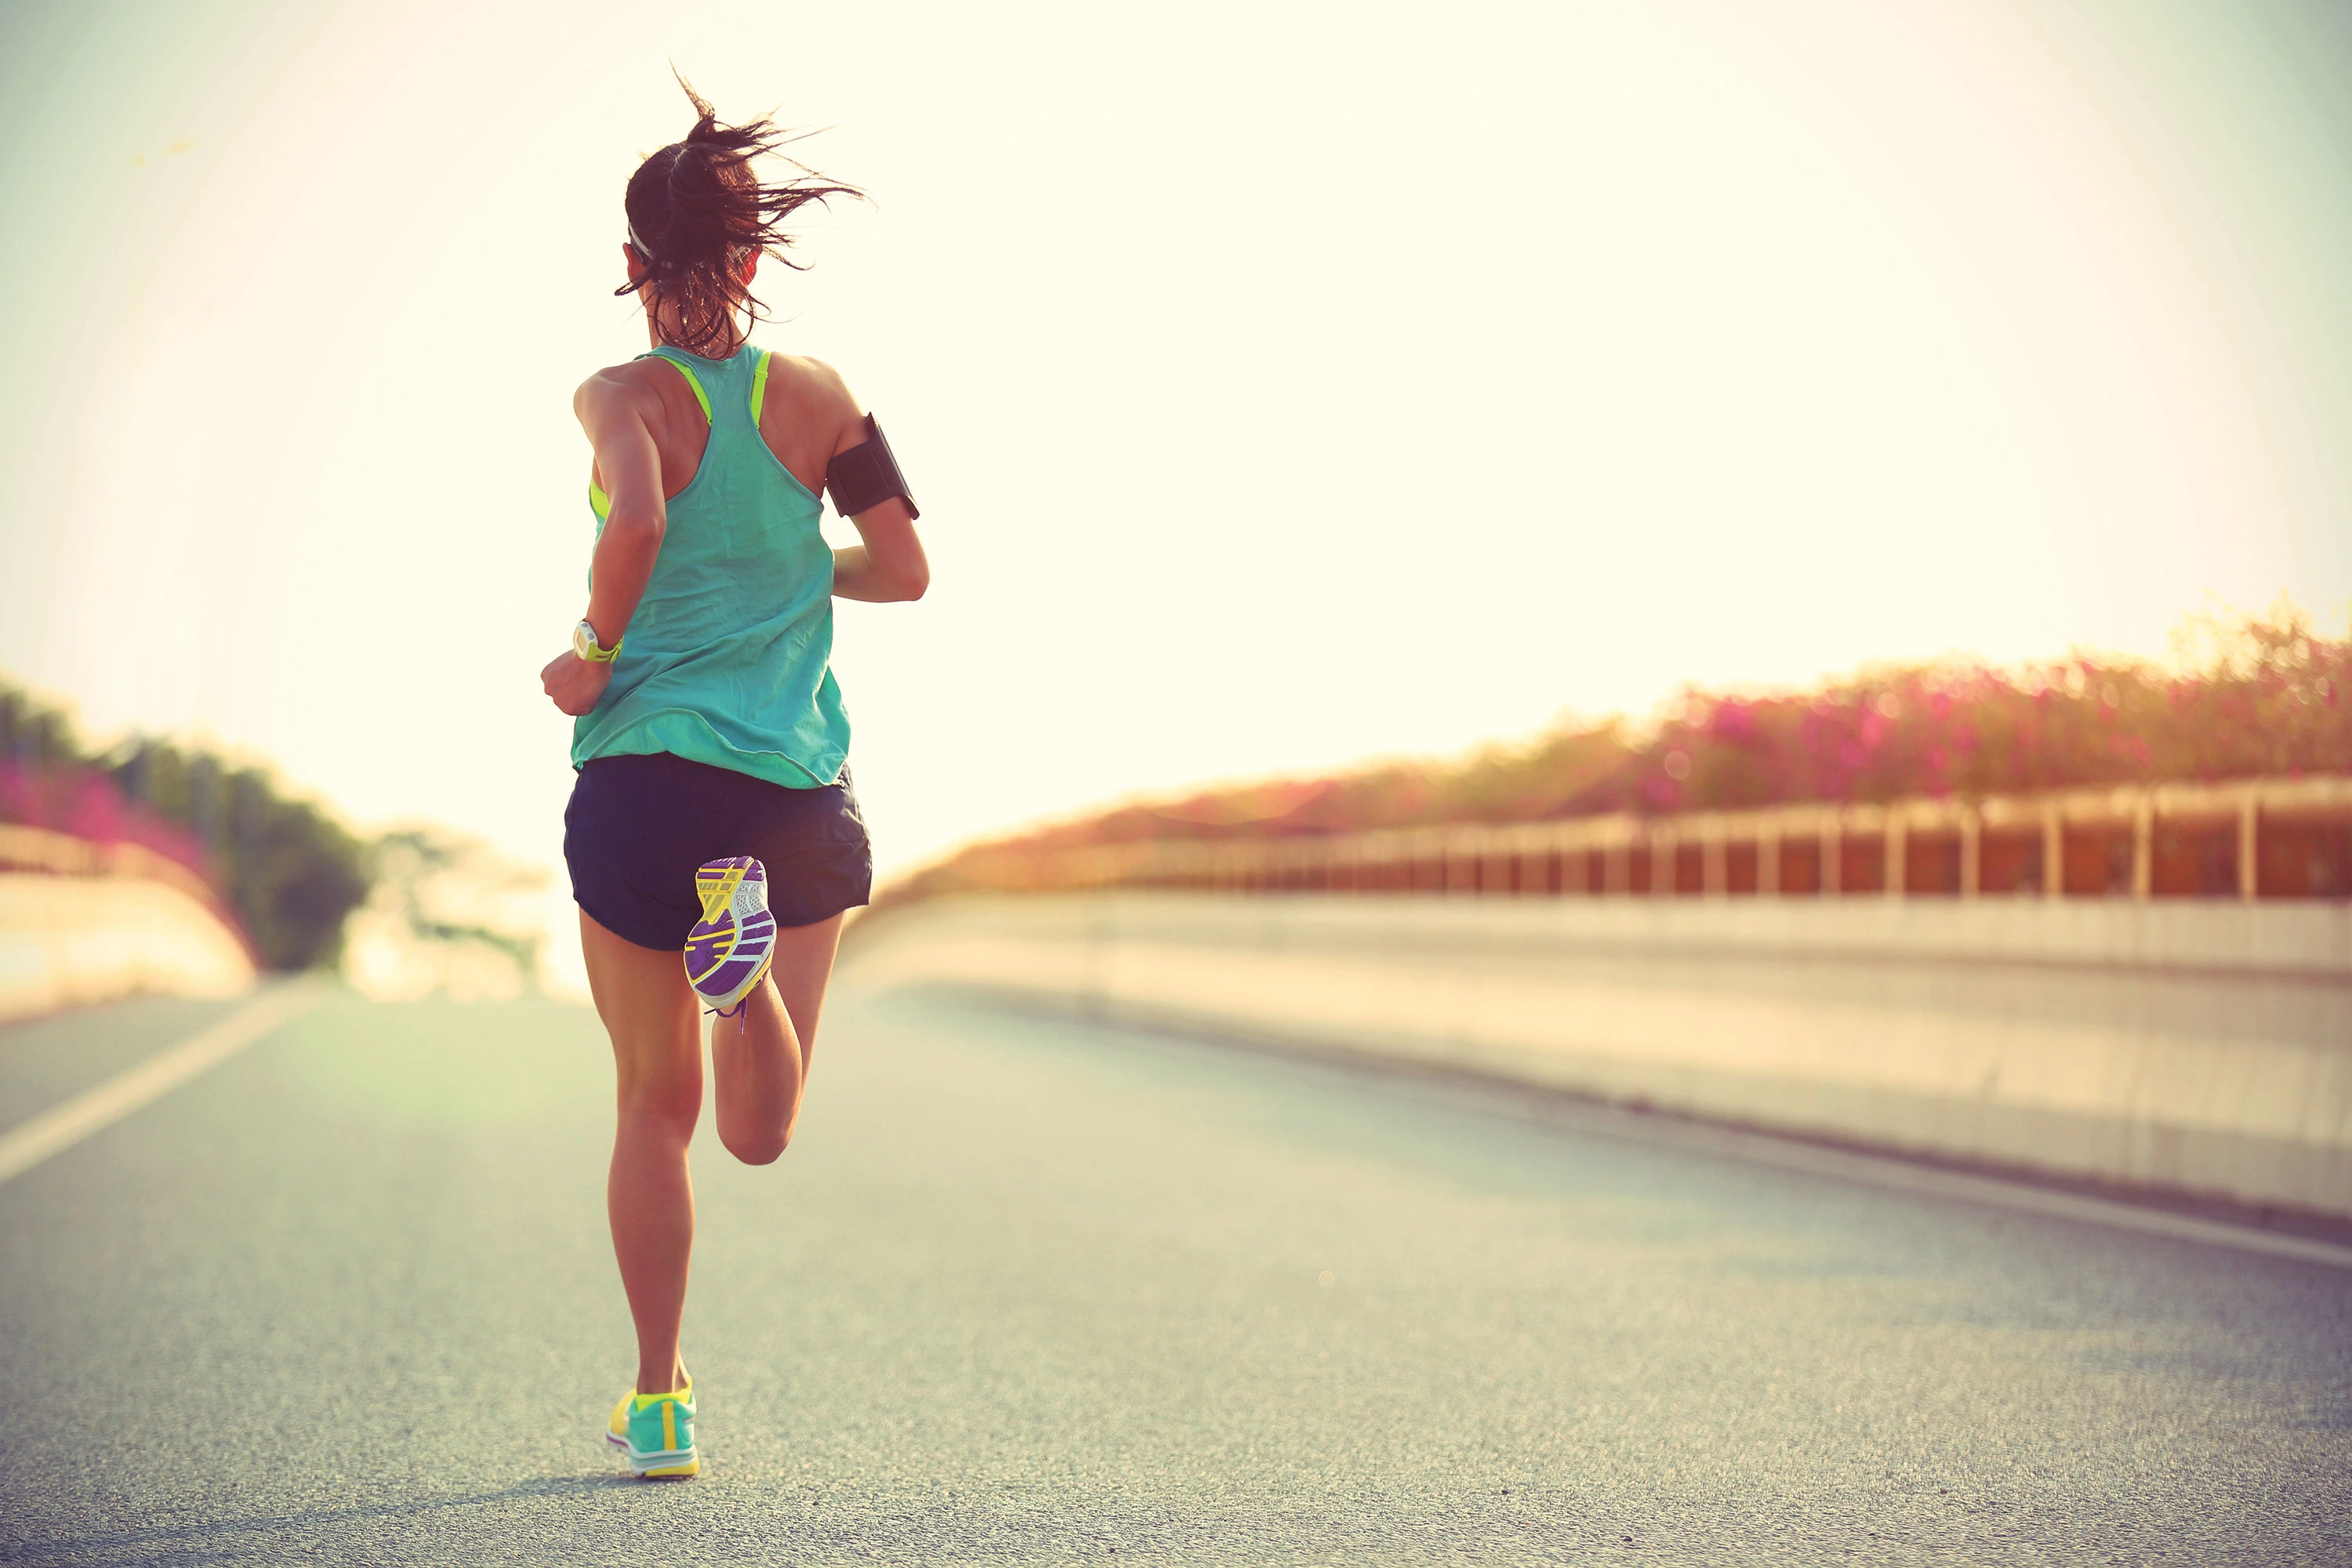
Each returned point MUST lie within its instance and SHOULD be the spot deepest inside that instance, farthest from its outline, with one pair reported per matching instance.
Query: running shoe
(727, 952)
(656, 1432)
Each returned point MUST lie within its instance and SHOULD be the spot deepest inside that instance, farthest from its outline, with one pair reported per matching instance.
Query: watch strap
(584, 644)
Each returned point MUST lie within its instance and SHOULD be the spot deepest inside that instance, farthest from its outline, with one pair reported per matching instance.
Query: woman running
(713, 815)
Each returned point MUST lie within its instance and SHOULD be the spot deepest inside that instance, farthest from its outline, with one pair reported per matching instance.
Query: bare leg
(760, 1057)
(650, 1012)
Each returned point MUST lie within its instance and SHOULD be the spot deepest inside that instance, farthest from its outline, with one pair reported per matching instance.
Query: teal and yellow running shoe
(656, 1431)
(728, 951)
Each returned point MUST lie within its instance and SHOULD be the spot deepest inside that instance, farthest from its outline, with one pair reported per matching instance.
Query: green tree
(287, 868)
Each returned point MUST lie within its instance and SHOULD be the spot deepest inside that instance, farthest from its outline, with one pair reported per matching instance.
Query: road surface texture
(1036, 1291)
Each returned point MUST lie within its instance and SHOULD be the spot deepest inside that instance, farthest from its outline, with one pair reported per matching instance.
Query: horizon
(1658, 716)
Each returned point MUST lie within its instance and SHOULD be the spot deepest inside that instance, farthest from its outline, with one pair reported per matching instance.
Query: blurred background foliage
(448, 915)
(2242, 695)
(286, 870)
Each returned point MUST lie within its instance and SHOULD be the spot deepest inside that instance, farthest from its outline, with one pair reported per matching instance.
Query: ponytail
(697, 210)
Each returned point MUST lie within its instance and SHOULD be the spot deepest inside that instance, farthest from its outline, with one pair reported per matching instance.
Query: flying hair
(697, 209)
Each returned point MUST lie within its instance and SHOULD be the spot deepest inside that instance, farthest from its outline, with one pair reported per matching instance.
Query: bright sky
(1283, 386)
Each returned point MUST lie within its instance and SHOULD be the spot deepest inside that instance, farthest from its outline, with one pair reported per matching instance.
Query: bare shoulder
(815, 378)
(632, 385)
(817, 396)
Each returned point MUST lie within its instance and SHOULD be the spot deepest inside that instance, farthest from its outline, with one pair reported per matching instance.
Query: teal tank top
(729, 658)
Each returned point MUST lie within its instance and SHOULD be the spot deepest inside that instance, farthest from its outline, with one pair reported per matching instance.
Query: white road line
(1884, 1171)
(1536, 1102)
(63, 1126)
(1892, 1171)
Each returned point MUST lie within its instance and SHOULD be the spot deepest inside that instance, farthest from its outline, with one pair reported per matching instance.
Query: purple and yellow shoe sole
(728, 950)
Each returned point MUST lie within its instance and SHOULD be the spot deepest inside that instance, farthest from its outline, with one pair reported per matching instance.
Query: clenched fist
(574, 684)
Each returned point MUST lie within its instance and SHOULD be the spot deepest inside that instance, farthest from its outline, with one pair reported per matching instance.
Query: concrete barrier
(2202, 1046)
(66, 941)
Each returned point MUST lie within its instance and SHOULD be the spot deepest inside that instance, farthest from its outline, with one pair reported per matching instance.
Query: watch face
(582, 643)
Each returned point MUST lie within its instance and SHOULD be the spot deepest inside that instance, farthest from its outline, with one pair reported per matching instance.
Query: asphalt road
(1041, 1292)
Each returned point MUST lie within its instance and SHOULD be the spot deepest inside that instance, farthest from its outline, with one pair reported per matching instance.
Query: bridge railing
(83, 922)
(23, 848)
(2246, 839)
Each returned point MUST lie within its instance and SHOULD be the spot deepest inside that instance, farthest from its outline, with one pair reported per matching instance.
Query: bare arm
(890, 565)
(616, 416)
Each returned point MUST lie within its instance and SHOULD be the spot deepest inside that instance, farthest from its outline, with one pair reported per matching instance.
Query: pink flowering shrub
(282, 869)
(2260, 694)
(85, 805)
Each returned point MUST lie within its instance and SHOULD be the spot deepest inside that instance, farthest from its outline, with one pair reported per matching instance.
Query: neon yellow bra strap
(601, 504)
(692, 379)
(760, 389)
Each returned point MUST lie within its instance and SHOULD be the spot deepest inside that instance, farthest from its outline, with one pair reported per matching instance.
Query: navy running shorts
(638, 827)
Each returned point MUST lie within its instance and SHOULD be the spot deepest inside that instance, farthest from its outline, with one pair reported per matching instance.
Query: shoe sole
(715, 881)
(712, 947)
(658, 1467)
(723, 933)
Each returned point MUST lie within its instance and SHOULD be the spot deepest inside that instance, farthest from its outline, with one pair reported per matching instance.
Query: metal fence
(2254, 838)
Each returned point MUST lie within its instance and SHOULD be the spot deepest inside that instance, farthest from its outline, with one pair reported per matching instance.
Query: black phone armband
(867, 475)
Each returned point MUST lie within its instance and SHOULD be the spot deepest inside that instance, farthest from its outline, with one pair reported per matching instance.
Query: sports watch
(583, 643)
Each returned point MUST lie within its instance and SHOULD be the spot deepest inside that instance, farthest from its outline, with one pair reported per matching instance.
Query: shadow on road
(212, 1540)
